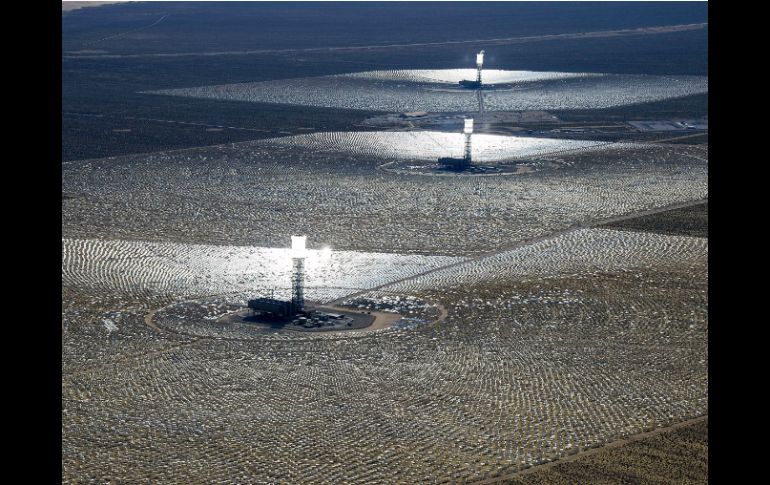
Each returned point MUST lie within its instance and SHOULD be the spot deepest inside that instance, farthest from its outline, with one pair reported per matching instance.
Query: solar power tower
(468, 84)
(298, 272)
(460, 164)
(479, 63)
(468, 130)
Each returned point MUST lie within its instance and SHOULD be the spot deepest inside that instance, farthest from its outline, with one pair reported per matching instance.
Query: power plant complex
(293, 313)
(293, 310)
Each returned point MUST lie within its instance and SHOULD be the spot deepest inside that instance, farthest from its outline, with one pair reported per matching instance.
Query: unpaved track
(527, 242)
(664, 140)
(381, 320)
(593, 451)
(121, 34)
(664, 29)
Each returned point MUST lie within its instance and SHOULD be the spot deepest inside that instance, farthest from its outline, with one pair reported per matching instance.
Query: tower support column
(298, 283)
(467, 156)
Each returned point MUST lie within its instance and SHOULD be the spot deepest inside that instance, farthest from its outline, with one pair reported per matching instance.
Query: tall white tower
(298, 255)
(479, 63)
(468, 130)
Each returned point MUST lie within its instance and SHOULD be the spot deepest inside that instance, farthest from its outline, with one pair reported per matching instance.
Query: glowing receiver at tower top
(468, 126)
(480, 59)
(298, 246)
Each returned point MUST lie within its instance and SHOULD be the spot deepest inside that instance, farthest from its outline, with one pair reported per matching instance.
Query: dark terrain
(102, 95)
(689, 221)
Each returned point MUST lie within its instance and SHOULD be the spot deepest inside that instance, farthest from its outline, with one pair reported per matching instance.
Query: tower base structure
(470, 84)
(455, 164)
(298, 283)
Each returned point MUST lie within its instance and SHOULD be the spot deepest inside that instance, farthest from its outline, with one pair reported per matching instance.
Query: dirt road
(498, 41)
(593, 451)
(527, 242)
